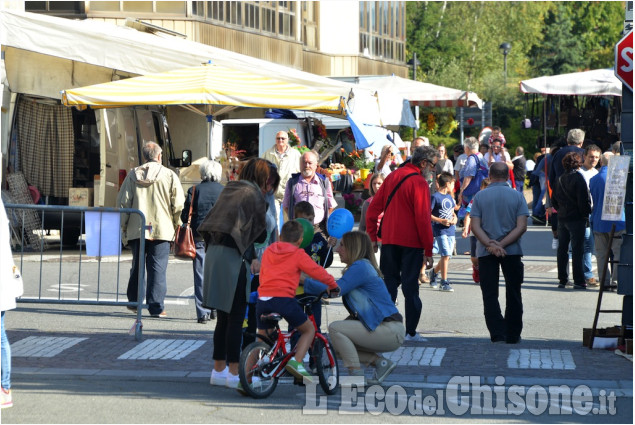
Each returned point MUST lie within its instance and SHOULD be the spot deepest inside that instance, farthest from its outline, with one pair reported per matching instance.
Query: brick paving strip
(432, 362)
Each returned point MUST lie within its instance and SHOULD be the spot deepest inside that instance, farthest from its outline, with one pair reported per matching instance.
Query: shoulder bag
(390, 199)
(184, 246)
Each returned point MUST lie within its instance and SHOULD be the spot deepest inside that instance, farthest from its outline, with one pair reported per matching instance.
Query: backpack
(481, 174)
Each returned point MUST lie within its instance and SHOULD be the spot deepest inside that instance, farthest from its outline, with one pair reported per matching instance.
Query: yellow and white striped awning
(207, 84)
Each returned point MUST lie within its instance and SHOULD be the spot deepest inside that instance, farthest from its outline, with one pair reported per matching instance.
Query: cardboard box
(614, 332)
(80, 197)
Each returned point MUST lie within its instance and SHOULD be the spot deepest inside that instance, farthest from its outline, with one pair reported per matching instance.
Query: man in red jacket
(406, 230)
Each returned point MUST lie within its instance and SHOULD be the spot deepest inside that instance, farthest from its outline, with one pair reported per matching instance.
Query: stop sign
(624, 60)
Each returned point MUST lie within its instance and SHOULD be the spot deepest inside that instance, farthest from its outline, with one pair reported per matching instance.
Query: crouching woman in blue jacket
(374, 325)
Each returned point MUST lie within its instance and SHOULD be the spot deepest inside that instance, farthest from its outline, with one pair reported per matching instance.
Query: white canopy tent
(423, 94)
(599, 82)
(97, 52)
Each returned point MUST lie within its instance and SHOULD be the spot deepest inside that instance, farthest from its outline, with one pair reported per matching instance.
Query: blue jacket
(364, 293)
(596, 186)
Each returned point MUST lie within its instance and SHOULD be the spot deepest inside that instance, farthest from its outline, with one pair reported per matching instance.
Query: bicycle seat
(305, 299)
(271, 317)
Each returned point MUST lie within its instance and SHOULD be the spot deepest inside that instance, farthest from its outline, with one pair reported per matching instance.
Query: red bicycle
(263, 362)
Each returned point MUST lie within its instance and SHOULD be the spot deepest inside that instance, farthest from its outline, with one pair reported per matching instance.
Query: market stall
(586, 100)
(423, 94)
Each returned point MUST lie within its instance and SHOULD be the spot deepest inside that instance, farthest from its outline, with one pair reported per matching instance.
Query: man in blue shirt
(602, 228)
(499, 218)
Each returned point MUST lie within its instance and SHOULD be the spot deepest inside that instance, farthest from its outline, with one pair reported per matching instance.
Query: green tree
(561, 51)
(598, 24)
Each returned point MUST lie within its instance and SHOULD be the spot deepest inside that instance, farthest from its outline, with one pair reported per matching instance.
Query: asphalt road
(89, 383)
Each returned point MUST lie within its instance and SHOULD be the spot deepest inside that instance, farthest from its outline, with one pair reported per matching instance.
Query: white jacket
(10, 277)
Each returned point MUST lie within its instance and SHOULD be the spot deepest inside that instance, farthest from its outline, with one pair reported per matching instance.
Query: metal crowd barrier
(85, 269)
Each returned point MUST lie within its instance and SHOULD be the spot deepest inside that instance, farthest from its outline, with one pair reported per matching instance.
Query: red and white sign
(624, 60)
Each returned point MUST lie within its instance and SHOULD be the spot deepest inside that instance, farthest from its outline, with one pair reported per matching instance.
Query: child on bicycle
(280, 269)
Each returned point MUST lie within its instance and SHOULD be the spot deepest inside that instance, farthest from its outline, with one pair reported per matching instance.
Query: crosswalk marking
(162, 349)
(42, 346)
(540, 359)
(417, 356)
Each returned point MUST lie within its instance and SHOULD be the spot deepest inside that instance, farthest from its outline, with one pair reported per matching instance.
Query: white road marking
(540, 359)
(42, 346)
(162, 349)
(417, 356)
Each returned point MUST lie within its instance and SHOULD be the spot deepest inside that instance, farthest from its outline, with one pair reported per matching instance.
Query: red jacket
(280, 270)
(407, 221)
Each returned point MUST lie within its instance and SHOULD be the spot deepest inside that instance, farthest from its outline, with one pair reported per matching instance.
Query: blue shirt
(442, 206)
(596, 187)
(498, 207)
(364, 290)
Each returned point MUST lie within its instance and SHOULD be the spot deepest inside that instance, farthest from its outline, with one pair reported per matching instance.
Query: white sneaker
(232, 381)
(554, 244)
(414, 338)
(219, 378)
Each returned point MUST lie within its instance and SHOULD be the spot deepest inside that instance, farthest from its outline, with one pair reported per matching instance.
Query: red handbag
(184, 246)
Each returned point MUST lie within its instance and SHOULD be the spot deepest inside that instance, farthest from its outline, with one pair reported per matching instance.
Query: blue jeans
(401, 265)
(445, 245)
(6, 358)
(537, 207)
(588, 251)
(520, 185)
(156, 253)
(197, 268)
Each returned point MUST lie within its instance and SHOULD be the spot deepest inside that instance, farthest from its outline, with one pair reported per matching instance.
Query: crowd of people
(248, 264)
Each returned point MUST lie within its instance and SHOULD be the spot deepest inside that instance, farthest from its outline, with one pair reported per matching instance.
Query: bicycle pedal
(297, 381)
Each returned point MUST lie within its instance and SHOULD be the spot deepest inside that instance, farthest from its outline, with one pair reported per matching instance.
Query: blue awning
(365, 134)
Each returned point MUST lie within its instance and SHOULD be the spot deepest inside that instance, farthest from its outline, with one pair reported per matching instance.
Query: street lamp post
(505, 48)
(414, 62)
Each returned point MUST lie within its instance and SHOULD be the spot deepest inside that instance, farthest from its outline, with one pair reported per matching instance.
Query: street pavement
(79, 363)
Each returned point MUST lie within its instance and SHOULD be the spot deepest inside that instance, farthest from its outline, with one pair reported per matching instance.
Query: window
(252, 16)
(309, 24)
(382, 29)
(61, 8)
(198, 8)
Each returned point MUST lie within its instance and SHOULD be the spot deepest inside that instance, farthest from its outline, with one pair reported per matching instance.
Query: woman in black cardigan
(572, 201)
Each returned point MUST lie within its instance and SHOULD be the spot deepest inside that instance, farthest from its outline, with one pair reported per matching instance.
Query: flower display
(352, 202)
(294, 138)
(232, 151)
(359, 161)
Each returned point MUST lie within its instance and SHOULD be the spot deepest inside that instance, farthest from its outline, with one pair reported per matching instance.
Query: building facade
(330, 38)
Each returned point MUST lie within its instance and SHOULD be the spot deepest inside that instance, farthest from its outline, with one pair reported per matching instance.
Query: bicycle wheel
(254, 367)
(327, 369)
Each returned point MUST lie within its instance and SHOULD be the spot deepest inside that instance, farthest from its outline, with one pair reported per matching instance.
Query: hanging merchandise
(552, 115)
(535, 111)
(526, 122)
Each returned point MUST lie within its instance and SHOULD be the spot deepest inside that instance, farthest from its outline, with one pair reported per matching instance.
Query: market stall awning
(114, 50)
(599, 82)
(423, 94)
(206, 84)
